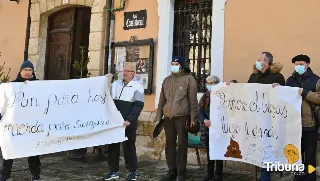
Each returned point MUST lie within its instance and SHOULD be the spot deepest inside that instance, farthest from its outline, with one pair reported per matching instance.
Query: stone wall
(41, 9)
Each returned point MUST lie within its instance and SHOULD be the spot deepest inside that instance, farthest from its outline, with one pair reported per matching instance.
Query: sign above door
(135, 19)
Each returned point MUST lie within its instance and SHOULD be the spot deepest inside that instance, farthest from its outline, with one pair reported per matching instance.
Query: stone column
(34, 40)
(217, 38)
(165, 42)
(97, 37)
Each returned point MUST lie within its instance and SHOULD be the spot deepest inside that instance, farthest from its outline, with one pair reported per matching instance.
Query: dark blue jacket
(310, 95)
(20, 79)
(204, 115)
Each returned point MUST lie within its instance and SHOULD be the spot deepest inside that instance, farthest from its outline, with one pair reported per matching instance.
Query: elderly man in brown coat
(178, 101)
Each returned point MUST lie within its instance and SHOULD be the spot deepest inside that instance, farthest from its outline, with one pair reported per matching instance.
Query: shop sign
(135, 19)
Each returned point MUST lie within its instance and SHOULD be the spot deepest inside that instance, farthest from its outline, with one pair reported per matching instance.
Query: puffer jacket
(310, 83)
(270, 76)
(178, 97)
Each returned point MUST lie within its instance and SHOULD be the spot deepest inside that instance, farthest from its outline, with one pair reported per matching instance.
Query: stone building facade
(41, 9)
(239, 32)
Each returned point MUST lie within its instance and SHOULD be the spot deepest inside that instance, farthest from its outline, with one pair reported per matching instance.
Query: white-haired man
(128, 96)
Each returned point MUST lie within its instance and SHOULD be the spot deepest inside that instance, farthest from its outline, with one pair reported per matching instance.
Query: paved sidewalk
(57, 167)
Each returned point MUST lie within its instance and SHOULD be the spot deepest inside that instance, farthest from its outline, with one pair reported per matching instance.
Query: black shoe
(171, 175)
(207, 178)
(5, 178)
(181, 176)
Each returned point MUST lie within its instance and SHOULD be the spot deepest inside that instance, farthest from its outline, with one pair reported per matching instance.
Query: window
(192, 36)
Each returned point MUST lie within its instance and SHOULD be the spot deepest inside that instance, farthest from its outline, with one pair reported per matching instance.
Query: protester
(26, 74)
(128, 96)
(266, 72)
(204, 117)
(309, 85)
(177, 102)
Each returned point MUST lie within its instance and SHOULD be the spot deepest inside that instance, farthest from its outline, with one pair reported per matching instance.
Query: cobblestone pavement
(57, 167)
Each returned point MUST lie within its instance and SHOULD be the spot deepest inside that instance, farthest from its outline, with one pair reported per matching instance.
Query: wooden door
(80, 36)
(68, 31)
(60, 38)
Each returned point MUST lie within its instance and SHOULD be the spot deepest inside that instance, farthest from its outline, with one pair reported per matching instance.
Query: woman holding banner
(204, 116)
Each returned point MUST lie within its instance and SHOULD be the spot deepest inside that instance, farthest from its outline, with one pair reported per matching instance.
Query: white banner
(43, 117)
(255, 123)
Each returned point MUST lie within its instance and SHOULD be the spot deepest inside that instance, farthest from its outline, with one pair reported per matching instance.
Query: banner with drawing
(255, 124)
(42, 117)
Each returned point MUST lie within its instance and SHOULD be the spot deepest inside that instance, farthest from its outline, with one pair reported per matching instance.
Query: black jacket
(270, 76)
(20, 79)
(310, 95)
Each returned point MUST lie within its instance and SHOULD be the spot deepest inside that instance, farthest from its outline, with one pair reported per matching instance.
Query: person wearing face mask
(177, 102)
(204, 117)
(26, 74)
(265, 71)
(309, 85)
(128, 97)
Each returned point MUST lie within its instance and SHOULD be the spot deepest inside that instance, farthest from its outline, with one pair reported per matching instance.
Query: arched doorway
(68, 30)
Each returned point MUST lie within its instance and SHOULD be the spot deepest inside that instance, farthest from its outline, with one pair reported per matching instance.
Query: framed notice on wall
(135, 19)
(140, 53)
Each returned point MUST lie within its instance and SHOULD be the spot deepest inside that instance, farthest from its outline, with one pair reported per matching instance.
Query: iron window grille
(192, 36)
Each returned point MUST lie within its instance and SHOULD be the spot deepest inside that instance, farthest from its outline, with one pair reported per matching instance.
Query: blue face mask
(175, 69)
(259, 65)
(208, 87)
(300, 69)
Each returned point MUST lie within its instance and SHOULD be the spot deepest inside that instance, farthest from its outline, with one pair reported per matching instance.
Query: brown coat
(306, 113)
(310, 95)
(178, 97)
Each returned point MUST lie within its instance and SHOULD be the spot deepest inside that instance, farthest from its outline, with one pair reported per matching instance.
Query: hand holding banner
(44, 117)
(255, 123)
